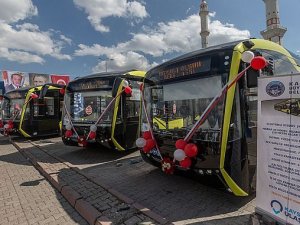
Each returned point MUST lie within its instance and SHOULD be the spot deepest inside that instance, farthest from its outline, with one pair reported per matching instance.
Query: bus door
(46, 114)
(125, 121)
(131, 115)
(118, 127)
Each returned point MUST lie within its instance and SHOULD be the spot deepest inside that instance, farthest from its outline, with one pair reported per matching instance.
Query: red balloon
(180, 144)
(191, 150)
(186, 163)
(147, 135)
(92, 135)
(68, 133)
(128, 90)
(1, 124)
(150, 143)
(258, 63)
(34, 96)
(62, 91)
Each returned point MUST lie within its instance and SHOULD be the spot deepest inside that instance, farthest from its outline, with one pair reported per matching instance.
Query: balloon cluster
(34, 95)
(62, 91)
(8, 127)
(69, 132)
(93, 129)
(146, 142)
(127, 88)
(256, 62)
(184, 152)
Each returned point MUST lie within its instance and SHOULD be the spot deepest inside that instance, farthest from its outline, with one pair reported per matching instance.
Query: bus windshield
(179, 94)
(12, 108)
(87, 106)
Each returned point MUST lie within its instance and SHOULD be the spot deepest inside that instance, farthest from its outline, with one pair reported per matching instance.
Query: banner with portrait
(36, 79)
(278, 148)
(16, 79)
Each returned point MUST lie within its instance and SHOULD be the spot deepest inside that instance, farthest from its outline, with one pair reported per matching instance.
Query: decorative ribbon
(212, 104)
(106, 109)
(148, 121)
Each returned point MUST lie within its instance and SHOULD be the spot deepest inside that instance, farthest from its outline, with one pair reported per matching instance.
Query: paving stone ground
(177, 198)
(26, 197)
(98, 201)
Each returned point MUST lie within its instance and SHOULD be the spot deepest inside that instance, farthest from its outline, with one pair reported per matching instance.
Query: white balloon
(93, 128)
(6, 126)
(179, 154)
(68, 127)
(247, 56)
(140, 142)
(125, 83)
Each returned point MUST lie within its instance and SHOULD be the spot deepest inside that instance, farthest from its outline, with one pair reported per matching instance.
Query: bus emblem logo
(89, 110)
(275, 88)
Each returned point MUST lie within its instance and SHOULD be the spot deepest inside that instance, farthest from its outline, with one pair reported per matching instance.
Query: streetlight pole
(105, 60)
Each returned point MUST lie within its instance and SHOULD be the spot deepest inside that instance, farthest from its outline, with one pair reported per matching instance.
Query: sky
(78, 37)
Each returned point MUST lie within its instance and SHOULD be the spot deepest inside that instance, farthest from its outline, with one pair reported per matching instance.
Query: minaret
(274, 31)
(204, 23)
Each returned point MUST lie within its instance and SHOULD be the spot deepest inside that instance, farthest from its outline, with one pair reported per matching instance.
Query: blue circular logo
(275, 88)
(276, 206)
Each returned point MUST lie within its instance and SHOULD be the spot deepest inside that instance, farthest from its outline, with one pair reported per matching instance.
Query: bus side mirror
(116, 85)
(43, 91)
(252, 76)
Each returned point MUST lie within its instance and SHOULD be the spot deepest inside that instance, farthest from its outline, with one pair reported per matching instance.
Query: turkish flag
(60, 79)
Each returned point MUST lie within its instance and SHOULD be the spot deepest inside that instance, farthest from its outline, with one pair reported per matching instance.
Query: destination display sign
(186, 68)
(90, 84)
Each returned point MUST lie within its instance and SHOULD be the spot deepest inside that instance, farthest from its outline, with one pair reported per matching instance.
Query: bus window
(279, 64)
(133, 102)
(39, 107)
(88, 106)
(49, 102)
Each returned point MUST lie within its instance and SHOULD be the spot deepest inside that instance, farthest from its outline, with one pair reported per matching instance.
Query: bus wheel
(149, 160)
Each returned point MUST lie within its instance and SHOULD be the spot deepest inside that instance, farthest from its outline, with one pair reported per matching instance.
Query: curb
(85, 209)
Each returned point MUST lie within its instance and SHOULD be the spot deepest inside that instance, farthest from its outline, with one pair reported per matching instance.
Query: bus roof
(26, 89)
(104, 75)
(189, 55)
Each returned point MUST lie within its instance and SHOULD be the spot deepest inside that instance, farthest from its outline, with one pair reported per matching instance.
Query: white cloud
(167, 38)
(64, 38)
(26, 43)
(15, 10)
(20, 56)
(27, 38)
(100, 9)
(124, 61)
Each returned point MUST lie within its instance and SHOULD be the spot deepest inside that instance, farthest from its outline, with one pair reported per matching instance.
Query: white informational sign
(278, 148)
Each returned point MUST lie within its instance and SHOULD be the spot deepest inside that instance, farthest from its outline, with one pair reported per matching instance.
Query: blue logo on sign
(276, 206)
(275, 88)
